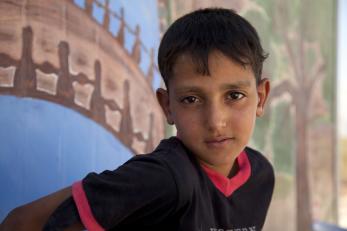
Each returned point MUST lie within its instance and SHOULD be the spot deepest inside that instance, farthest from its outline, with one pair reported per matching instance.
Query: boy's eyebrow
(237, 85)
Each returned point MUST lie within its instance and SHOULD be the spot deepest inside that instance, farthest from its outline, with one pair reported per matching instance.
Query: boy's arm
(34, 215)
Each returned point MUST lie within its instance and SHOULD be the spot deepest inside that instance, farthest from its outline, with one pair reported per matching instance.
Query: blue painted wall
(45, 146)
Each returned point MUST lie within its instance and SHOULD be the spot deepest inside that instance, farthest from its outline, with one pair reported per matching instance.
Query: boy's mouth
(218, 142)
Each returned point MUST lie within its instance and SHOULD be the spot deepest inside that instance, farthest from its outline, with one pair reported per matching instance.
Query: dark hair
(203, 31)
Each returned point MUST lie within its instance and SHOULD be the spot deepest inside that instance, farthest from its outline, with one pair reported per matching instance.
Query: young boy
(204, 179)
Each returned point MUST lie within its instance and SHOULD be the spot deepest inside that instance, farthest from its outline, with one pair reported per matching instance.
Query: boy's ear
(163, 99)
(263, 90)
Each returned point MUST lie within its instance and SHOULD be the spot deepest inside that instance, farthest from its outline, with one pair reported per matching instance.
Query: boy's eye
(235, 95)
(190, 100)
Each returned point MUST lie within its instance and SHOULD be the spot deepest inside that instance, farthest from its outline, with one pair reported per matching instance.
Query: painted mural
(298, 132)
(76, 95)
(77, 82)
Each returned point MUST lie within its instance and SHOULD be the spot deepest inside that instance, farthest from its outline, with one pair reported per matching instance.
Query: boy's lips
(219, 142)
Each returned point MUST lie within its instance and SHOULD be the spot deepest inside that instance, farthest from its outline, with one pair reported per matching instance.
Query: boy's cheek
(186, 126)
(185, 116)
(188, 129)
(243, 122)
(244, 115)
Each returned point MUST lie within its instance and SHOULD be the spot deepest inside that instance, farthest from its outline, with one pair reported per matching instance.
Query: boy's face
(214, 115)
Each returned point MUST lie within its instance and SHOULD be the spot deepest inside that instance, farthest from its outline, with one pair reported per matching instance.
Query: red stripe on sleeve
(83, 208)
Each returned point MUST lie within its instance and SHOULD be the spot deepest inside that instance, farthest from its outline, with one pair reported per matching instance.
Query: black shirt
(169, 190)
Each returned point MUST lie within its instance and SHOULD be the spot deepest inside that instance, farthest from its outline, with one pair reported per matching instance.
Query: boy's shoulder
(170, 151)
(178, 161)
(173, 155)
(256, 156)
(260, 165)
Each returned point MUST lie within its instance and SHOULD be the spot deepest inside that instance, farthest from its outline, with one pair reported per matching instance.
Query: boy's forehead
(217, 62)
(199, 86)
(194, 63)
(184, 58)
(187, 63)
(224, 74)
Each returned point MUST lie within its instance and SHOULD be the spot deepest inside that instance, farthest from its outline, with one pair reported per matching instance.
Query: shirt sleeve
(64, 216)
(142, 191)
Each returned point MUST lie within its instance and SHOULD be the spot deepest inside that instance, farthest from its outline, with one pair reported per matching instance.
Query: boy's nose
(216, 118)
